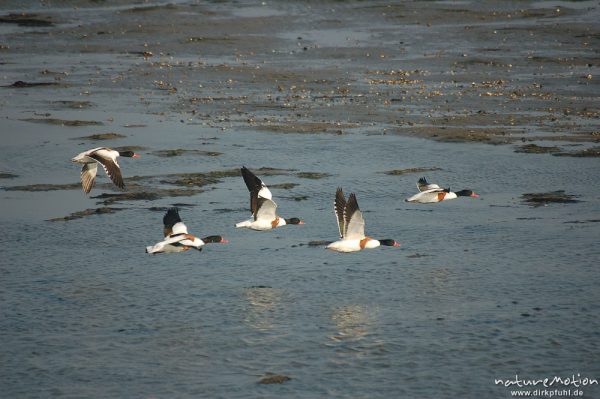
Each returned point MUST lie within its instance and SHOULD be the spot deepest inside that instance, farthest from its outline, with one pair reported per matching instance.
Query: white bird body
(431, 196)
(184, 241)
(262, 224)
(353, 245)
(104, 152)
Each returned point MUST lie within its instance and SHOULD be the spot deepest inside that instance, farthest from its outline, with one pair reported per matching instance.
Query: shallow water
(480, 288)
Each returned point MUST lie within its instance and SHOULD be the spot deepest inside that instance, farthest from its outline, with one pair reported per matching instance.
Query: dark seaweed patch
(312, 175)
(30, 20)
(588, 152)
(191, 180)
(198, 179)
(44, 187)
(110, 198)
(266, 171)
(537, 149)
(101, 136)
(308, 127)
(62, 122)
(180, 151)
(283, 186)
(130, 148)
(274, 379)
(399, 172)
(19, 84)
(300, 198)
(541, 199)
(87, 212)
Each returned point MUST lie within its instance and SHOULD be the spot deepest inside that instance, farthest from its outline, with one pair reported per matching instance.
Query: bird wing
(338, 208)
(426, 196)
(423, 185)
(257, 188)
(175, 238)
(179, 228)
(254, 202)
(354, 221)
(173, 222)
(108, 160)
(266, 209)
(253, 183)
(88, 176)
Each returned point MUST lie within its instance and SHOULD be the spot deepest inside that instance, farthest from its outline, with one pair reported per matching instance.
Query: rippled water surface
(480, 288)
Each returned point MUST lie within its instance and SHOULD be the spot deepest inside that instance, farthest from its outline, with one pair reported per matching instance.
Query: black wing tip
(351, 205)
(340, 201)
(339, 206)
(171, 217)
(246, 171)
(422, 180)
(246, 174)
(172, 212)
(253, 183)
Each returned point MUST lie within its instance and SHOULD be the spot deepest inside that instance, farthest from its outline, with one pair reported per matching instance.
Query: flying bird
(351, 225)
(106, 157)
(177, 238)
(431, 193)
(262, 206)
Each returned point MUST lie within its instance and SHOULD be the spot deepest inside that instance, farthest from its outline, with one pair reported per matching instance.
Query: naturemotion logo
(559, 385)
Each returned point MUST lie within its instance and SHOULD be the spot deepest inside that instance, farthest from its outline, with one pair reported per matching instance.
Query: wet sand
(522, 74)
(499, 97)
(493, 73)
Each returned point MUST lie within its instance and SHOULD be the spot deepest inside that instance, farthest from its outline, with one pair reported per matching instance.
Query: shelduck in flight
(264, 209)
(352, 226)
(430, 193)
(177, 238)
(106, 157)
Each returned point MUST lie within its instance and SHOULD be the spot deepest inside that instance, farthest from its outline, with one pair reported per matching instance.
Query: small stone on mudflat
(274, 379)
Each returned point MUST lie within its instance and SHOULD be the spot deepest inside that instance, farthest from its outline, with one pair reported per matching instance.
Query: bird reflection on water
(353, 322)
(263, 305)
